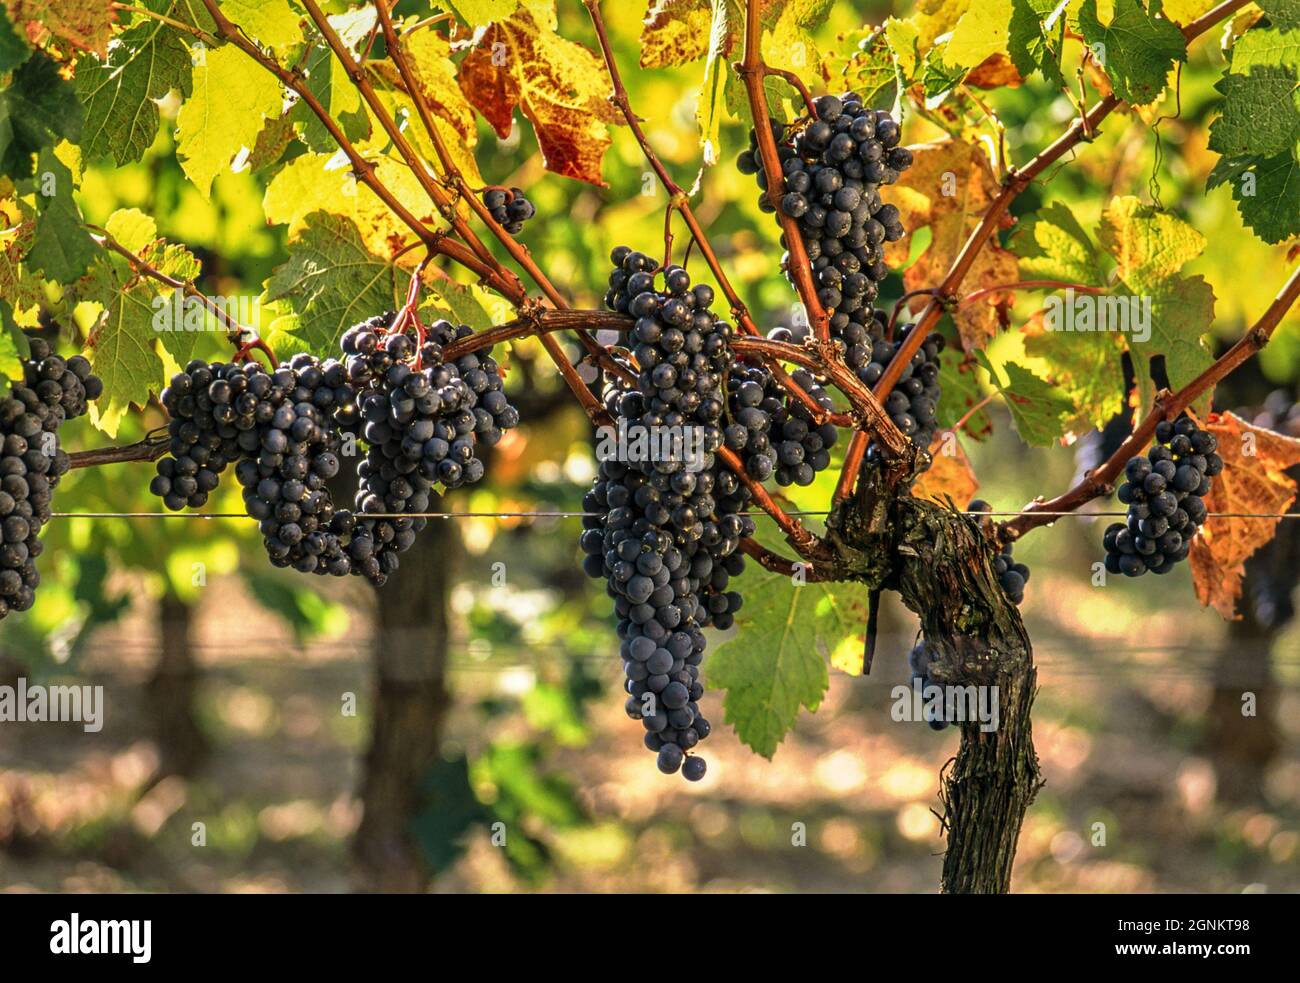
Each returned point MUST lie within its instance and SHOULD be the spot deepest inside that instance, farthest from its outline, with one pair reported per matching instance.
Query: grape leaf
(274, 24)
(559, 85)
(1253, 480)
(1151, 248)
(1183, 12)
(36, 110)
(1138, 49)
(223, 114)
(121, 348)
(328, 81)
(332, 281)
(13, 49)
(1052, 245)
(1283, 13)
(675, 32)
(950, 475)
(16, 289)
(61, 248)
(1038, 409)
(429, 55)
(14, 347)
(1267, 191)
(120, 93)
(82, 25)
(961, 391)
(1013, 29)
(778, 664)
(1260, 113)
(712, 104)
(480, 13)
(1087, 367)
(1266, 46)
(458, 303)
(948, 188)
(311, 183)
(868, 68)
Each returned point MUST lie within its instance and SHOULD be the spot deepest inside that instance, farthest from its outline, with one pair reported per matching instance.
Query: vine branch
(1168, 405)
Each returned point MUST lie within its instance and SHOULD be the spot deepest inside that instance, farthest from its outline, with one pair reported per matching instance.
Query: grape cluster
(832, 171)
(279, 430)
(1164, 492)
(914, 400)
(1012, 576)
(32, 462)
(665, 532)
(423, 420)
(284, 431)
(509, 208)
(775, 435)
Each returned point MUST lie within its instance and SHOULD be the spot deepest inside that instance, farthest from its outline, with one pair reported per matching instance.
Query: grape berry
(509, 208)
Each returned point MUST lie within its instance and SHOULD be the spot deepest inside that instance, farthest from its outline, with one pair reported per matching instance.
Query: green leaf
(329, 83)
(1151, 248)
(13, 49)
(1017, 29)
(457, 303)
(869, 69)
(1051, 245)
(1138, 51)
(231, 96)
(450, 810)
(13, 346)
(1261, 112)
(305, 611)
(1283, 13)
(712, 104)
(938, 78)
(1038, 409)
(1268, 194)
(778, 662)
(61, 248)
(479, 13)
(122, 349)
(332, 281)
(273, 24)
(1088, 369)
(120, 94)
(36, 110)
(961, 391)
(1266, 46)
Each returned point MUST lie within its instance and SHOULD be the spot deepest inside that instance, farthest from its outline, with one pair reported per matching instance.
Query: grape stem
(1168, 406)
(152, 447)
(752, 71)
(235, 333)
(1015, 182)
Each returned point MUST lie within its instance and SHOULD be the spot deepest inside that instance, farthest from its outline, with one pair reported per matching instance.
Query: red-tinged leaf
(559, 85)
(1253, 480)
(76, 25)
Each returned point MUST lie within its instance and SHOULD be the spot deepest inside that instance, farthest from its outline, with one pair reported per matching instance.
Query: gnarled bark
(172, 691)
(942, 567)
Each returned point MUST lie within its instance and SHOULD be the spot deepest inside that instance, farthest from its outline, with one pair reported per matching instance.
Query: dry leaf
(994, 72)
(1253, 480)
(561, 86)
(949, 187)
(950, 476)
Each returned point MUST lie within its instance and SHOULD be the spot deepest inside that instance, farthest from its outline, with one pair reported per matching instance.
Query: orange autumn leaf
(949, 187)
(559, 85)
(1253, 480)
(994, 72)
(950, 476)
